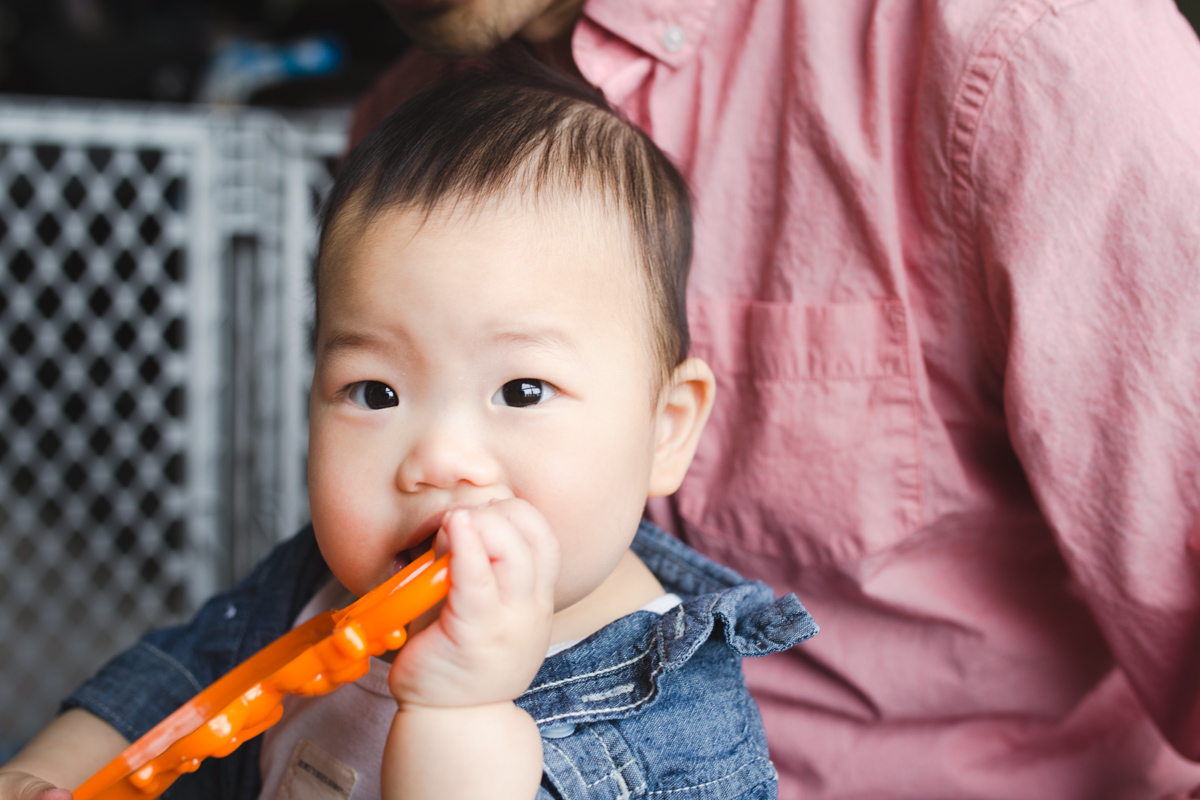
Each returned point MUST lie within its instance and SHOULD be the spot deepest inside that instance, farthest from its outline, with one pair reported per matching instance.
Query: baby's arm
(458, 733)
(66, 753)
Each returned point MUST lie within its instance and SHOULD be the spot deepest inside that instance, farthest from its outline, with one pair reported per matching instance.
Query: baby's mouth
(408, 555)
(425, 534)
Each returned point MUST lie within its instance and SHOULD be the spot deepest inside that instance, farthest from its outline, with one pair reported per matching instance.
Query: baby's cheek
(343, 524)
(340, 484)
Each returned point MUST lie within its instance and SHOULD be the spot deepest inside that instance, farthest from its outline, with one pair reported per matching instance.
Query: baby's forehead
(539, 215)
(570, 260)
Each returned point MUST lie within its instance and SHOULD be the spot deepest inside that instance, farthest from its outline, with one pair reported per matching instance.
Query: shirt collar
(669, 30)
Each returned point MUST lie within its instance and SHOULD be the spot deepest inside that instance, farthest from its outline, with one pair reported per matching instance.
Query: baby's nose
(446, 458)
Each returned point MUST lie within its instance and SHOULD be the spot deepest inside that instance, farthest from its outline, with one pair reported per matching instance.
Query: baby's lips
(432, 530)
(427, 530)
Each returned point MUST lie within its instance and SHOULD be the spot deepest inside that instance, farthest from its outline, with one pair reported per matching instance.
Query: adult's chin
(462, 28)
(415, 6)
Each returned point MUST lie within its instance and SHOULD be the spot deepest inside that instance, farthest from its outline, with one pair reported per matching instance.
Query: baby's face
(475, 356)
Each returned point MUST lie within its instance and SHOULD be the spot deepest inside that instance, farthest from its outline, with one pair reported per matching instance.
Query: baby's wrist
(470, 751)
(466, 708)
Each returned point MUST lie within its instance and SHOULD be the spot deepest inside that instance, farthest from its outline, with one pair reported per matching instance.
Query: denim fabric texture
(649, 706)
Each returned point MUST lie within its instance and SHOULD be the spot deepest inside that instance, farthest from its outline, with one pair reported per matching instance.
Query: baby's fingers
(496, 566)
(470, 565)
(511, 557)
(18, 786)
(537, 534)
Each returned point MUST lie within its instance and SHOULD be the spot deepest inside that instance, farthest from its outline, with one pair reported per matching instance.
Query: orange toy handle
(326, 652)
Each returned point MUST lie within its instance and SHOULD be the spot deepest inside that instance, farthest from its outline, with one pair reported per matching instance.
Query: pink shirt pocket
(812, 453)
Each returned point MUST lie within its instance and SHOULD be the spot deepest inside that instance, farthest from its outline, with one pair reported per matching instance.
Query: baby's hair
(520, 130)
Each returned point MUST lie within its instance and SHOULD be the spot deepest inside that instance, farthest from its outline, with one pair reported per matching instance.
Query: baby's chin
(360, 578)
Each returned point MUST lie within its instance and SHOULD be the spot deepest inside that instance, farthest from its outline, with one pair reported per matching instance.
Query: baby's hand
(492, 634)
(21, 786)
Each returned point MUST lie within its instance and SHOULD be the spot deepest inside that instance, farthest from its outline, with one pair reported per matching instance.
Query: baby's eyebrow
(350, 340)
(545, 339)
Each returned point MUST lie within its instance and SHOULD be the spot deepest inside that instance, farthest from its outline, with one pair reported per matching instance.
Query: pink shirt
(948, 275)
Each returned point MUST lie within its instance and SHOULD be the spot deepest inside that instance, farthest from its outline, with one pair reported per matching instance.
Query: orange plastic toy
(324, 653)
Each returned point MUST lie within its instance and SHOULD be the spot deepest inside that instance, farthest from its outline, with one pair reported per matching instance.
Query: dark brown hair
(523, 128)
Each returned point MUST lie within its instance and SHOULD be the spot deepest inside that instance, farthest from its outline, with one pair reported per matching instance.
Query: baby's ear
(683, 408)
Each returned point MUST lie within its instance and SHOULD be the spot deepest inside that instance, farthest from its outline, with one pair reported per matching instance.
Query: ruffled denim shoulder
(656, 706)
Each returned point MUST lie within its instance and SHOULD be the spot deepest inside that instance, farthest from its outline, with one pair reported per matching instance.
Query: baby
(501, 373)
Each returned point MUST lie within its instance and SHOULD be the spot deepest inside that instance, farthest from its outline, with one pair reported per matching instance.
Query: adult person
(945, 276)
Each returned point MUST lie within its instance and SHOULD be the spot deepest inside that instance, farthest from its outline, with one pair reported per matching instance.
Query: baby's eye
(524, 392)
(373, 395)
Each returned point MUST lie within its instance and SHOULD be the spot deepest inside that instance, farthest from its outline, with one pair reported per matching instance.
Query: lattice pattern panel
(96, 510)
(272, 314)
(154, 368)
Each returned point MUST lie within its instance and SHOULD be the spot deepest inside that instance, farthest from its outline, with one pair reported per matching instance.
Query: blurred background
(272, 53)
(160, 167)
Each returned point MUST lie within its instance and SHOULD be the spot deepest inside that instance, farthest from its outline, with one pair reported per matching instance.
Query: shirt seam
(617, 770)
(912, 487)
(165, 656)
(594, 674)
(747, 765)
(614, 709)
(971, 96)
(551, 771)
